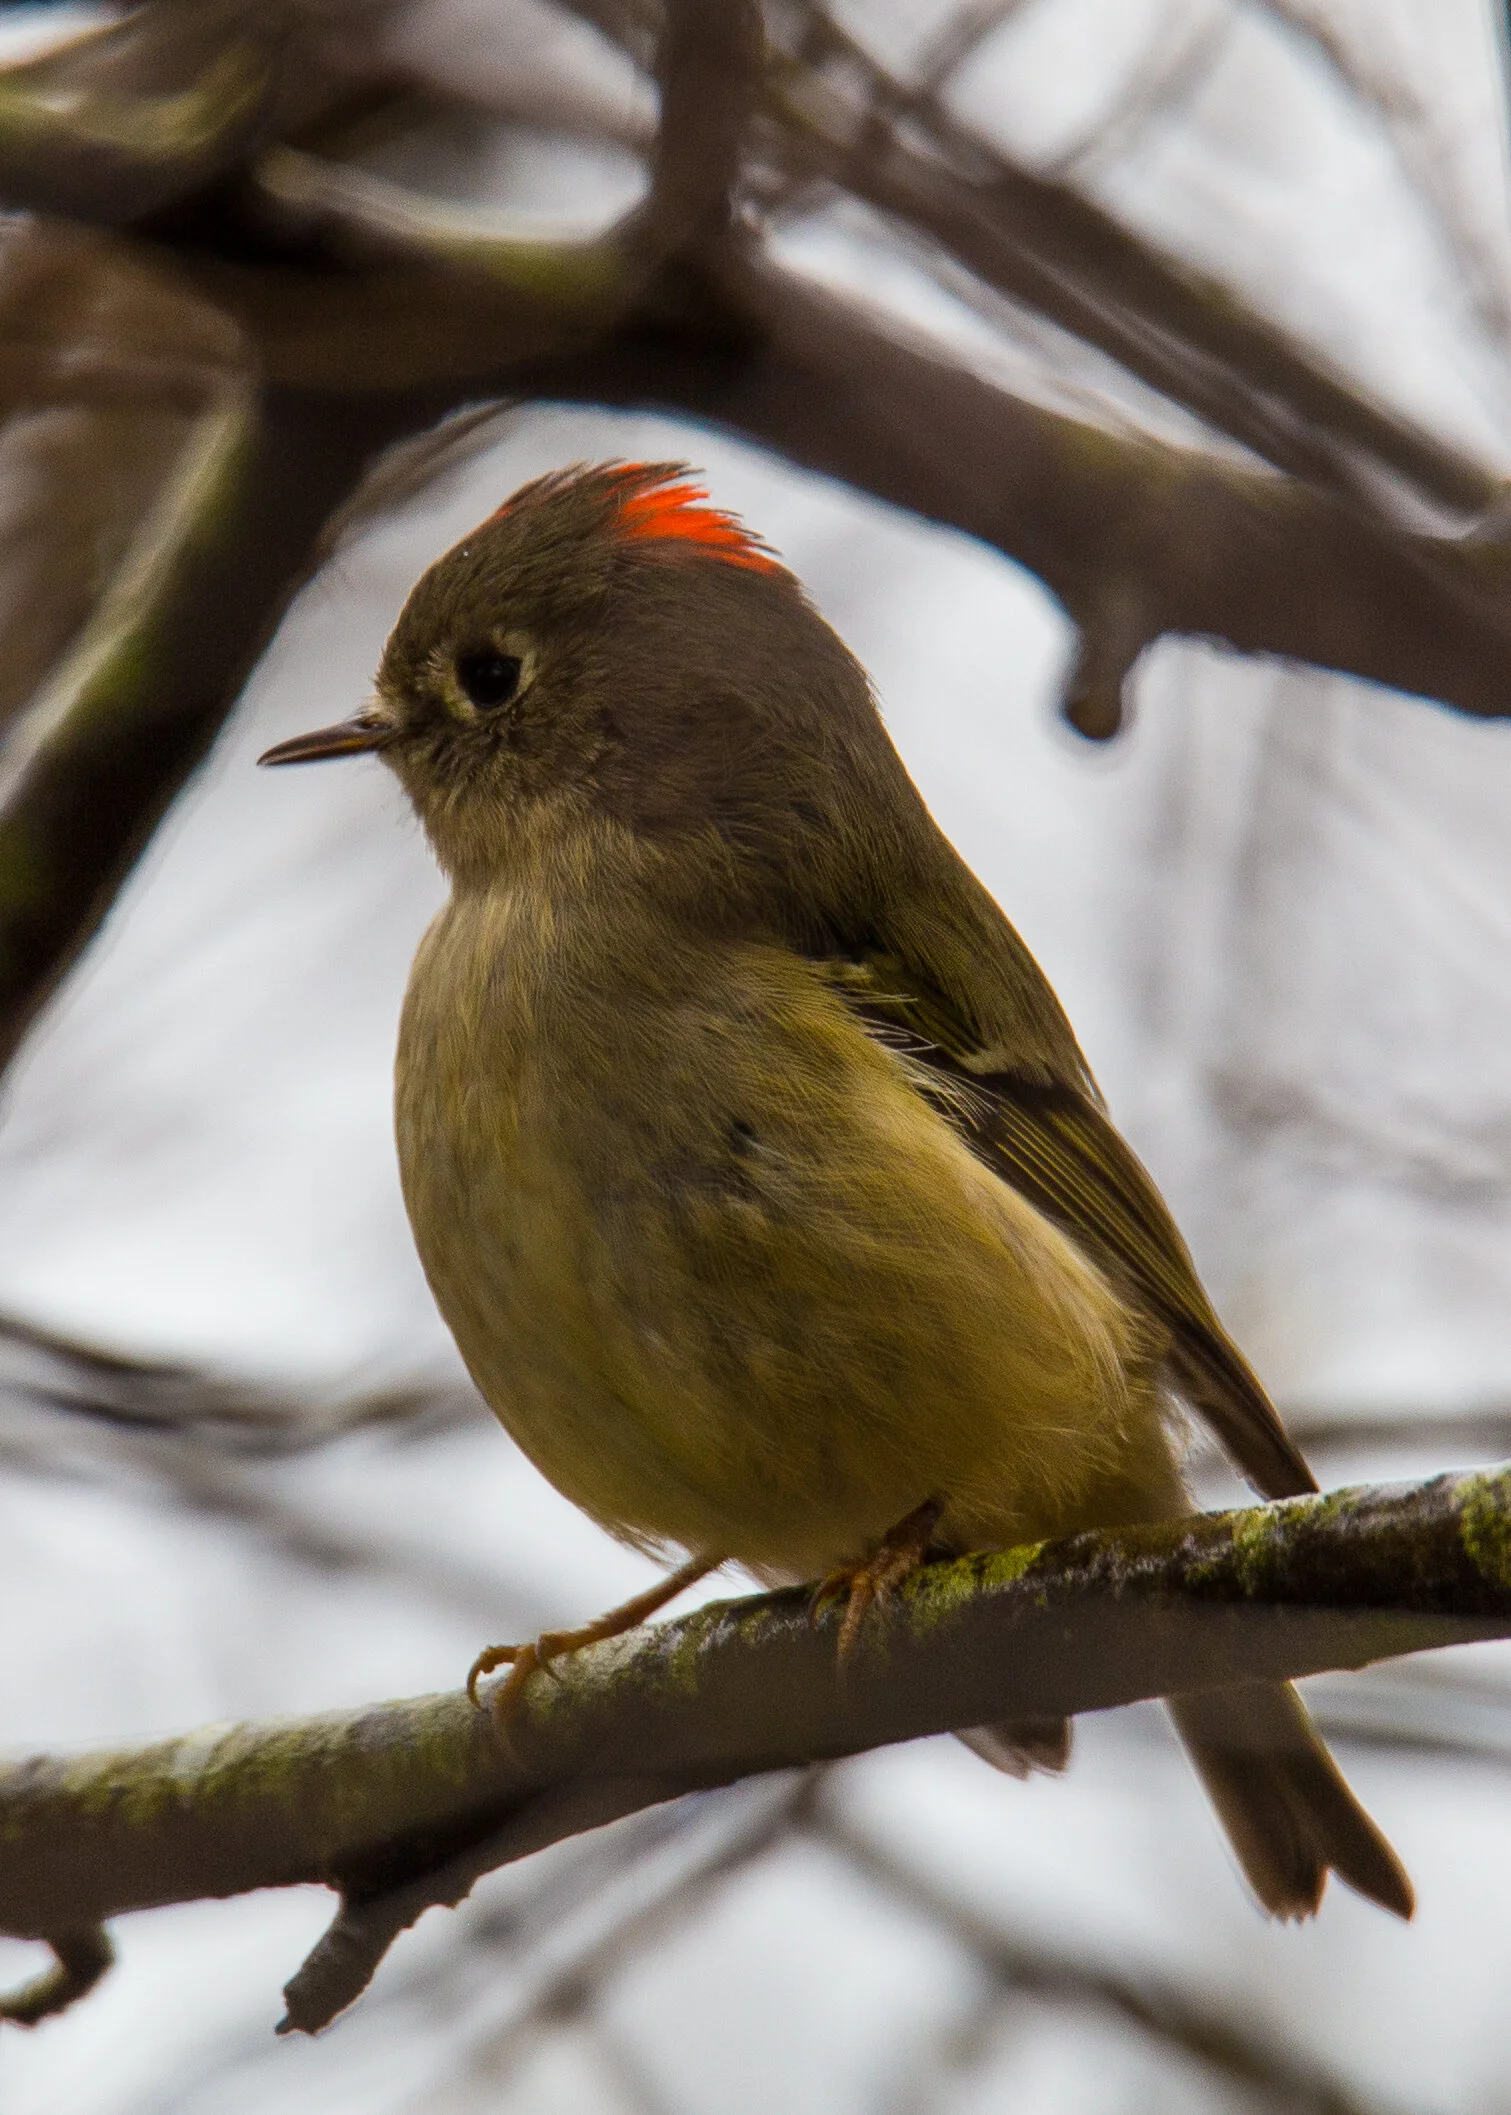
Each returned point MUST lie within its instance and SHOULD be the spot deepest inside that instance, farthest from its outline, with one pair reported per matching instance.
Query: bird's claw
(488, 1659)
(873, 1579)
(524, 1660)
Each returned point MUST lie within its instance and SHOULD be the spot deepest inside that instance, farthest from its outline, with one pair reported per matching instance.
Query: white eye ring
(486, 678)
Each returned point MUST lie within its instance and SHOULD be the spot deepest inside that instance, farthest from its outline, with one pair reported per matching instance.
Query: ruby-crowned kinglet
(751, 1158)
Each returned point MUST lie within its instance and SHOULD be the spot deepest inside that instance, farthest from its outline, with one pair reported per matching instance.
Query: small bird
(751, 1158)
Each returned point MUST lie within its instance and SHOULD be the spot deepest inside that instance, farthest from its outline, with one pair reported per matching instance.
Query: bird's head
(607, 642)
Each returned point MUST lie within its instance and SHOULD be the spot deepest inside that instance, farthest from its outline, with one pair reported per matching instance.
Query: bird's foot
(901, 1551)
(524, 1660)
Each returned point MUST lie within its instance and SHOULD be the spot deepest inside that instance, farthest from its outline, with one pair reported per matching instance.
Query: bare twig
(709, 70)
(1171, 74)
(654, 1895)
(1168, 539)
(1049, 246)
(405, 1805)
(438, 296)
(1134, 533)
(208, 1412)
(1418, 141)
(968, 29)
(79, 1959)
(827, 110)
(1236, 2049)
(1481, 1433)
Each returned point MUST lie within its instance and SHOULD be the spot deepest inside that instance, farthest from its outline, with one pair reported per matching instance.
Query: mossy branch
(404, 1805)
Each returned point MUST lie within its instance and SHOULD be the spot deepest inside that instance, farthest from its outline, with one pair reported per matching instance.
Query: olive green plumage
(750, 1156)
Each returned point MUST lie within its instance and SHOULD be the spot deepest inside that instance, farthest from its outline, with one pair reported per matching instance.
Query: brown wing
(1056, 1146)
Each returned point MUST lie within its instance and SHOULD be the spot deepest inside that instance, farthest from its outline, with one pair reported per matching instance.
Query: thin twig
(79, 1959)
(1408, 121)
(1239, 2051)
(660, 1895)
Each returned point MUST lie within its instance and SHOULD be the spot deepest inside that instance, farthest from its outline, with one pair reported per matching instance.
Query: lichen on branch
(401, 1806)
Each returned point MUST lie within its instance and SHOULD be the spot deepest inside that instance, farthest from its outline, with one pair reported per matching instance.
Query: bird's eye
(488, 677)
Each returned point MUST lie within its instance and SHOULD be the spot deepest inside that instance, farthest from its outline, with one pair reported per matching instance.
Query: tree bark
(404, 1805)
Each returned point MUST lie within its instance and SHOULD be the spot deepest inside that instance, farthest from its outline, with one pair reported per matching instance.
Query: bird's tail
(1287, 1809)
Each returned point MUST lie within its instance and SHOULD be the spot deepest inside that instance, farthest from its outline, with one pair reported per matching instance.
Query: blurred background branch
(215, 136)
(262, 294)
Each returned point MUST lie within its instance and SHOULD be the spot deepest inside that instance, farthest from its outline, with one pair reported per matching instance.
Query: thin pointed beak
(364, 731)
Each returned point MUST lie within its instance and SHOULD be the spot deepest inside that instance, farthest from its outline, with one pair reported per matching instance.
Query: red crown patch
(651, 503)
(657, 508)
